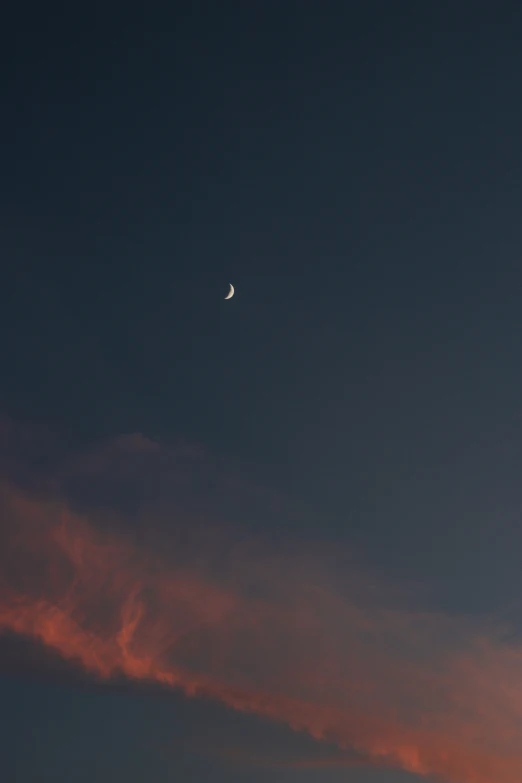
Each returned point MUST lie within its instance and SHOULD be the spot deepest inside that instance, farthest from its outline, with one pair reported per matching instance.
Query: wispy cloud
(262, 632)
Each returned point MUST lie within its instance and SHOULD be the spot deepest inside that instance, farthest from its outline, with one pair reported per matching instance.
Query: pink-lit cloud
(263, 632)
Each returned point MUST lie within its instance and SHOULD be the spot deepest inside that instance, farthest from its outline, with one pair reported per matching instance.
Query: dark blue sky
(353, 168)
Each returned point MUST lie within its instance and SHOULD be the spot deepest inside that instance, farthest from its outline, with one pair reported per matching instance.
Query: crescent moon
(231, 292)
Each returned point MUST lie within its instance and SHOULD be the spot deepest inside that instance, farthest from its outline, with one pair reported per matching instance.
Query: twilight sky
(276, 538)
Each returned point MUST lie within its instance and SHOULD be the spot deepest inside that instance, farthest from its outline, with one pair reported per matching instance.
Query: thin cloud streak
(262, 633)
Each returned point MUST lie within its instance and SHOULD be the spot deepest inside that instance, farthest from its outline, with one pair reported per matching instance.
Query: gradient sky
(276, 538)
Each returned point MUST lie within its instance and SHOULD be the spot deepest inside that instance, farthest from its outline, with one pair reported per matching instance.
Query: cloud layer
(162, 590)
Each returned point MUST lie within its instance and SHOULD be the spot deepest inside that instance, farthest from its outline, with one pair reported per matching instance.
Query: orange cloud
(263, 634)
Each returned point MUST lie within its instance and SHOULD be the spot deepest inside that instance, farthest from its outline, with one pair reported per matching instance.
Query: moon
(231, 292)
